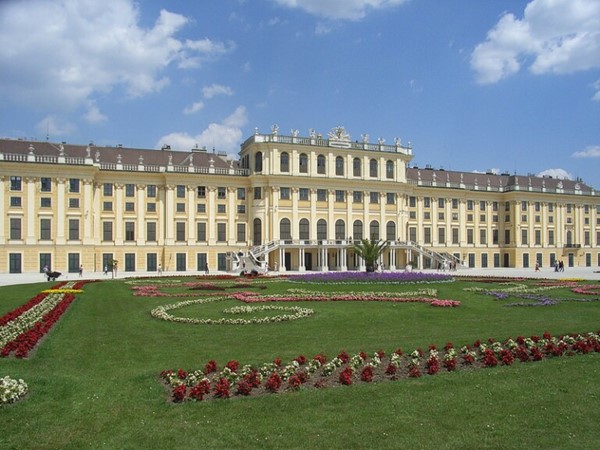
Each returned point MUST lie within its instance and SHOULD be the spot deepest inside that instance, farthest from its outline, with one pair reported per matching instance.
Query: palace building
(288, 203)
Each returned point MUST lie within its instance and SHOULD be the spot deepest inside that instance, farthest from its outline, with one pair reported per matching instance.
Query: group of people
(559, 266)
(447, 265)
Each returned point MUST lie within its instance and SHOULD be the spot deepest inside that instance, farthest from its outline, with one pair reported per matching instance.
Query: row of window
(340, 164)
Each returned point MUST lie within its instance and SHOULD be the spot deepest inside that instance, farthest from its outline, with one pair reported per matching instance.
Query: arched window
(303, 163)
(356, 167)
(373, 168)
(257, 224)
(374, 230)
(339, 166)
(357, 230)
(258, 162)
(389, 170)
(321, 167)
(285, 229)
(304, 229)
(284, 162)
(340, 229)
(321, 229)
(390, 231)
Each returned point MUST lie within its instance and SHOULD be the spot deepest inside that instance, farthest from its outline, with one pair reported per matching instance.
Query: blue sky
(508, 86)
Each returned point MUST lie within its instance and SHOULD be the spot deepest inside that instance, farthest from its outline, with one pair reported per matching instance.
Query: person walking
(80, 270)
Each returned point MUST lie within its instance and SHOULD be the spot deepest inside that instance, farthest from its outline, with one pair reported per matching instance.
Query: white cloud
(93, 114)
(225, 136)
(340, 9)
(589, 152)
(59, 54)
(193, 108)
(554, 36)
(216, 89)
(55, 126)
(556, 173)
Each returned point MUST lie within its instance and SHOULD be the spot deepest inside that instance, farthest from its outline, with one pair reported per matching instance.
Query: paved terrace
(587, 273)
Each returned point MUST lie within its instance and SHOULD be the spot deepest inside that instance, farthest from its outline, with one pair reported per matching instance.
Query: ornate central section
(339, 137)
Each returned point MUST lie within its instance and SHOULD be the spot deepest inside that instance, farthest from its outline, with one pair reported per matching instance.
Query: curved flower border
(297, 313)
(12, 390)
(234, 381)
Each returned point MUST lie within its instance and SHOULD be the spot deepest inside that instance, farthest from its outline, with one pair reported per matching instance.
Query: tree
(370, 251)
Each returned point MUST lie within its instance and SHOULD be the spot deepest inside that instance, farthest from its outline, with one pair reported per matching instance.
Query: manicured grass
(94, 380)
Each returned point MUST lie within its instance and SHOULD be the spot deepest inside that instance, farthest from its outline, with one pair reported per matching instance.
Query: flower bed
(12, 390)
(211, 383)
(22, 328)
(370, 277)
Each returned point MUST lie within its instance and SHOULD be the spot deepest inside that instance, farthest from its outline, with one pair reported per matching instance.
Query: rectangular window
(303, 194)
(495, 237)
(221, 209)
(180, 262)
(483, 236)
(506, 237)
(455, 216)
(455, 236)
(257, 193)
(586, 238)
(484, 260)
(180, 231)
(107, 231)
(129, 262)
(494, 206)
(201, 231)
(74, 185)
(108, 189)
(537, 206)
(129, 190)
(426, 215)
(441, 202)
(180, 191)
(73, 229)
(46, 184)
(221, 193)
(454, 203)
(340, 196)
(284, 193)
(523, 206)
(129, 206)
(412, 234)
(469, 205)
(151, 231)
(550, 237)
(426, 202)
(201, 208)
(106, 206)
(15, 202)
(15, 228)
(441, 235)
(241, 209)
(151, 207)
(390, 198)
(201, 191)
(441, 216)
(374, 197)
(151, 262)
(482, 205)
(201, 262)
(241, 193)
(74, 203)
(357, 197)
(470, 236)
(151, 191)
(412, 202)
(482, 217)
(221, 232)
(15, 184)
(241, 232)
(524, 236)
(130, 231)
(45, 202)
(45, 229)
(538, 237)
(507, 206)
(427, 235)
(180, 207)
(321, 195)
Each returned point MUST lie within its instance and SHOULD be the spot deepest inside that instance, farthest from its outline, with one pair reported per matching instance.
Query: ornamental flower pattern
(348, 369)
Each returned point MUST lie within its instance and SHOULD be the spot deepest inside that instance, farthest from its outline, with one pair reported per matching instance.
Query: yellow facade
(289, 202)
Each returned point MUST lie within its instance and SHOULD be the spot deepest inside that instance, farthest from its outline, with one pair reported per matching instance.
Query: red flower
(433, 366)
(210, 367)
(450, 364)
(321, 358)
(367, 374)
(344, 357)
(200, 390)
(233, 365)
(243, 388)
(414, 372)
(301, 359)
(294, 382)
(273, 382)
(222, 388)
(179, 393)
(181, 374)
(489, 358)
(391, 369)
(346, 376)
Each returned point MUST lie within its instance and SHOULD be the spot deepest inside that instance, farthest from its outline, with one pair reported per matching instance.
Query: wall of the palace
(71, 215)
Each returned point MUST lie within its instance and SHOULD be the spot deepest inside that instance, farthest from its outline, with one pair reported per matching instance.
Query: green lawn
(94, 381)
